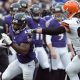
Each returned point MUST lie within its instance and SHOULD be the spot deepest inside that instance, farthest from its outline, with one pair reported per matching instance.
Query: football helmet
(58, 7)
(35, 11)
(15, 7)
(71, 7)
(46, 10)
(58, 12)
(19, 22)
(24, 5)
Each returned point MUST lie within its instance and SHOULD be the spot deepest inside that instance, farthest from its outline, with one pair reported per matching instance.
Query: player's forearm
(50, 47)
(70, 48)
(51, 31)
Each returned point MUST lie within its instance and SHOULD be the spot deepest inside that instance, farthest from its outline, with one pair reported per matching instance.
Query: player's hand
(30, 31)
(6, 38)
(72, 54)
(2, 44)
(53, 54)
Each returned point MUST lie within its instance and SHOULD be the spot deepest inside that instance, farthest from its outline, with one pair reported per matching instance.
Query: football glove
(2, 44)
(30, 31)
(6, 38)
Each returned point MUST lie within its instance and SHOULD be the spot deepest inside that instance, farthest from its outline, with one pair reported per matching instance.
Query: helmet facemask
(14, 8)
(18, 26)
(36, 12)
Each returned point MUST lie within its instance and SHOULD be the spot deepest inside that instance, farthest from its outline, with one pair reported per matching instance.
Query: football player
(56, 65)
(14, 8)
(19, 40)
(36, 22)
(58, 49)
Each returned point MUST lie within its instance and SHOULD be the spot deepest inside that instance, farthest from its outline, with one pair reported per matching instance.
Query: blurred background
(5, 4)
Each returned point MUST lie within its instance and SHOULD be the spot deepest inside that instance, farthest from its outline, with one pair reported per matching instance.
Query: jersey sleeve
(54, 23)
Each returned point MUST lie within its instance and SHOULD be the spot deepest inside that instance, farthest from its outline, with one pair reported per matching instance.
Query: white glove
(6, 38)
(2, 44)
(30, 31)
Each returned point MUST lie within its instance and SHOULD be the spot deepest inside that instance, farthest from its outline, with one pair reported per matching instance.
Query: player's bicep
(6, 27)
(25, 46)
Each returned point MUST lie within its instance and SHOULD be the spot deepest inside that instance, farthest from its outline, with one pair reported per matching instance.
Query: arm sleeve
(53, 31)
(48, 39)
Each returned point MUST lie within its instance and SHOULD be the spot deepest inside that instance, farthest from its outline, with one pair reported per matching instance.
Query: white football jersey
(74, 24)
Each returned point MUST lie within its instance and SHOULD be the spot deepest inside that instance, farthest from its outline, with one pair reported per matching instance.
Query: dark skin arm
(54, 31)
(6, 28)
(23, 48)
(51, 31)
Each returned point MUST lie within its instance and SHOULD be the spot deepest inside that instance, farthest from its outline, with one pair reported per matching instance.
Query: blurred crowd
(5, 4)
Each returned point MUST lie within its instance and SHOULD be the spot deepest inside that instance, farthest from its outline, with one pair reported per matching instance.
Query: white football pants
(42, 57)
(63, 58)
(16, 68)
(13, 56)
(73, 68)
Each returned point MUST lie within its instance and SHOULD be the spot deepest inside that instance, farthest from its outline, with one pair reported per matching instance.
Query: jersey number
(61, 36)
(39, 36)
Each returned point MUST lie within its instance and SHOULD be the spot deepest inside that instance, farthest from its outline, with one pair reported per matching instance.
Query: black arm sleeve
(53, 31)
